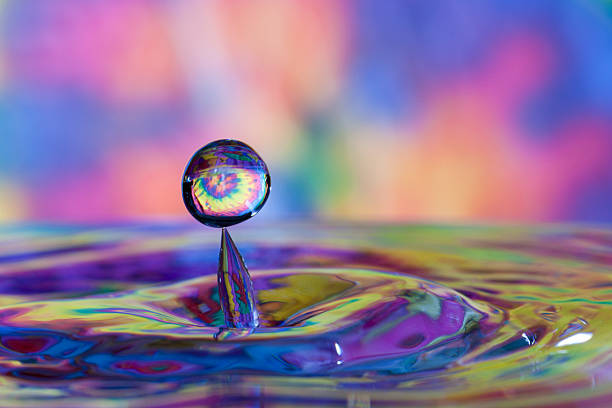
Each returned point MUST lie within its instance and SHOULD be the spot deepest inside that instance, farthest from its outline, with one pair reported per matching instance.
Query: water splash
(235, 287)
(225, 183)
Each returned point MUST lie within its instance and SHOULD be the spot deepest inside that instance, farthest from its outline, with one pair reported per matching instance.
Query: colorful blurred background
(364, 110)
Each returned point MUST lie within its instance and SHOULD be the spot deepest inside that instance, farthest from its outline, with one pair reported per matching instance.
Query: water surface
(350, 316)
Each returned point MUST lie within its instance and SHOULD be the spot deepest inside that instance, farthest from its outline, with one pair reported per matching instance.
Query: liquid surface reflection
(349, 316)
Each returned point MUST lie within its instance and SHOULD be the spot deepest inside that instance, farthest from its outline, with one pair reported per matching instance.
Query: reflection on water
(349, 317)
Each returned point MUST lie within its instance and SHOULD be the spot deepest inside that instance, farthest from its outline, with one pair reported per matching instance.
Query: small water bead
(225, 182)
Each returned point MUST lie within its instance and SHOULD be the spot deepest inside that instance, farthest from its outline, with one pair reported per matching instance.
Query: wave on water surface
(475, 312)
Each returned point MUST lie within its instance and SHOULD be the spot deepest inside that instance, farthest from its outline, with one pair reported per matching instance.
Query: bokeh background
(364, 110)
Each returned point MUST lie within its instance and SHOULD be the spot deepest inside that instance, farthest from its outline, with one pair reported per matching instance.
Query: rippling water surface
(350, 316)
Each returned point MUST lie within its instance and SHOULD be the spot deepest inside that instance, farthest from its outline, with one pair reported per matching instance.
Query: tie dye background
(363, 110)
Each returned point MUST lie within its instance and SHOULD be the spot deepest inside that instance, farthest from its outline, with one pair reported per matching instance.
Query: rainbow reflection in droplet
(225, 182)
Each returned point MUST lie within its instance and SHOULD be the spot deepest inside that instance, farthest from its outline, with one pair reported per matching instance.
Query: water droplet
(225, 182)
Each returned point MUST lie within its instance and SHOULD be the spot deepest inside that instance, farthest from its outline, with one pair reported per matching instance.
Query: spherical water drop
(225, 182)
